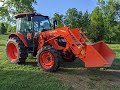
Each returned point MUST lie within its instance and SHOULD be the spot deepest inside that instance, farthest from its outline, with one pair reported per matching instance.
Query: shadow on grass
(77, 68)
(34, 64)
(94, 75)
(76, 64)
(116, 64)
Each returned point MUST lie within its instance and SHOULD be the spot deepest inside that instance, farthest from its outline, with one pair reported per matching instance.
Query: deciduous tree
(10, 7)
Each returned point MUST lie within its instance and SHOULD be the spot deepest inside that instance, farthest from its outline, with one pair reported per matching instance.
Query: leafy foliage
(110, 12)
(3, 29)
(102, 24)
(59, 19)
(85, 19)
(11, 29)
(97, 26)
(10, 7)
(71, 18)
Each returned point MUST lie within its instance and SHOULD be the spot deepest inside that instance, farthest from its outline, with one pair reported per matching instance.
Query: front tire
(48, 59)
(16, 51)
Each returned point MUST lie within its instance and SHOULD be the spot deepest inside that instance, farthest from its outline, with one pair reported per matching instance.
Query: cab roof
(20, 15)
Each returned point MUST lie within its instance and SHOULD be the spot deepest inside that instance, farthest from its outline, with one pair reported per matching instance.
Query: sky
(49, 7)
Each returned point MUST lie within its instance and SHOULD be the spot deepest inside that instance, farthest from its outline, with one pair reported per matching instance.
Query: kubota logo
(63, 30)
(52, 31)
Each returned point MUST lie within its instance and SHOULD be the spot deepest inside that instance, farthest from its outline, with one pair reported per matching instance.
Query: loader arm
(91, 54)
(72, 42)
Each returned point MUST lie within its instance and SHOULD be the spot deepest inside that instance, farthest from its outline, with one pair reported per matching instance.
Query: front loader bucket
(98, 55)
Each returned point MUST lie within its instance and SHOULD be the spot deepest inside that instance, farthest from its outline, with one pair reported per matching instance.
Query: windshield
(41, 24)
(38, 24)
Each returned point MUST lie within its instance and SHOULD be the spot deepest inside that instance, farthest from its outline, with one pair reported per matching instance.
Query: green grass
(70, 76)
(27, 77)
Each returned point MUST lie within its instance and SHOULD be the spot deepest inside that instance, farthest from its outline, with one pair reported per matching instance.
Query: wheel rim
(12, 51)
(46, 59)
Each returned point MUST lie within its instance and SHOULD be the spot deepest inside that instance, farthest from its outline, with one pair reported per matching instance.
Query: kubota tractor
(35, 35)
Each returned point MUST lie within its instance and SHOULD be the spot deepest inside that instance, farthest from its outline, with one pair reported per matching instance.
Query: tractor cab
(30, 25)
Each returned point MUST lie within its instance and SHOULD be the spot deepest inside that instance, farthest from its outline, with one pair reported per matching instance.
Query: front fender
(20, 36)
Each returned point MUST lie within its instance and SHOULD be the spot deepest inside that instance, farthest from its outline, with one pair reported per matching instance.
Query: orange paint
(93, 55)
(18, 34)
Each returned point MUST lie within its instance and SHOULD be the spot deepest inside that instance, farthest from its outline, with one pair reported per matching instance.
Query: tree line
(103, 23)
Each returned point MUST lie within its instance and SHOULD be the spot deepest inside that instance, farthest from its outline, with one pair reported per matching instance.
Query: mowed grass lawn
(70, 75)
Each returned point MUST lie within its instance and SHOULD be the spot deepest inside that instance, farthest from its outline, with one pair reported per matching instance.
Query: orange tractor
(35, 35)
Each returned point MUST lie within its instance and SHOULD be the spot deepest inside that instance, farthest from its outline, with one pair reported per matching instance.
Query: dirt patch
(75, 80)
(83, 79)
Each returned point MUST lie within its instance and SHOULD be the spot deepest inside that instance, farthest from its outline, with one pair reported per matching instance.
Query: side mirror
(29, 18)
(54, 24)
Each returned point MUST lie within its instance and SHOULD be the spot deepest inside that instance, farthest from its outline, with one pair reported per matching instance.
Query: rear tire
(68, 57)
(48, 59)
(16, 51)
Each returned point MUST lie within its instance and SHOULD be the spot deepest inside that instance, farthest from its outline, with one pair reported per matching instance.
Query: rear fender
(20, 36)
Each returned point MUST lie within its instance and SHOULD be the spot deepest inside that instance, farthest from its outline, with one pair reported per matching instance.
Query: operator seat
(29, 34)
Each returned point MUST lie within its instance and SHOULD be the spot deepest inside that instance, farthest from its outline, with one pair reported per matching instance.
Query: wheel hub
(46, 59)
(12, 51)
